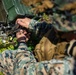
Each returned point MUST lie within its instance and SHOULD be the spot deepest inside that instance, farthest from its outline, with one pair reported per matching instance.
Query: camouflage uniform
(22, 62)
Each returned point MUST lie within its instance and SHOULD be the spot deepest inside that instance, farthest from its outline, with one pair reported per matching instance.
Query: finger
(21, 23)
(22, 20)
(17, 20)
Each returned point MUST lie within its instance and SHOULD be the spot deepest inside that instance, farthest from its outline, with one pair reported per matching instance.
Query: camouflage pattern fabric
(22, 62)
(66, 9)
(63, 25)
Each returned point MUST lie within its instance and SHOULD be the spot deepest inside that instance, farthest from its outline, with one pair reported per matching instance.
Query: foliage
(1, 73)
(46, 18)
(5, 44)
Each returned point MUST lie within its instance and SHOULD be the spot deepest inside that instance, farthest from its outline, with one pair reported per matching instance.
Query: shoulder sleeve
(32, 24)
(39, 27)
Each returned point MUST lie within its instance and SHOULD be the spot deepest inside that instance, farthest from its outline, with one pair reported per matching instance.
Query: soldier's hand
(23, 22)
